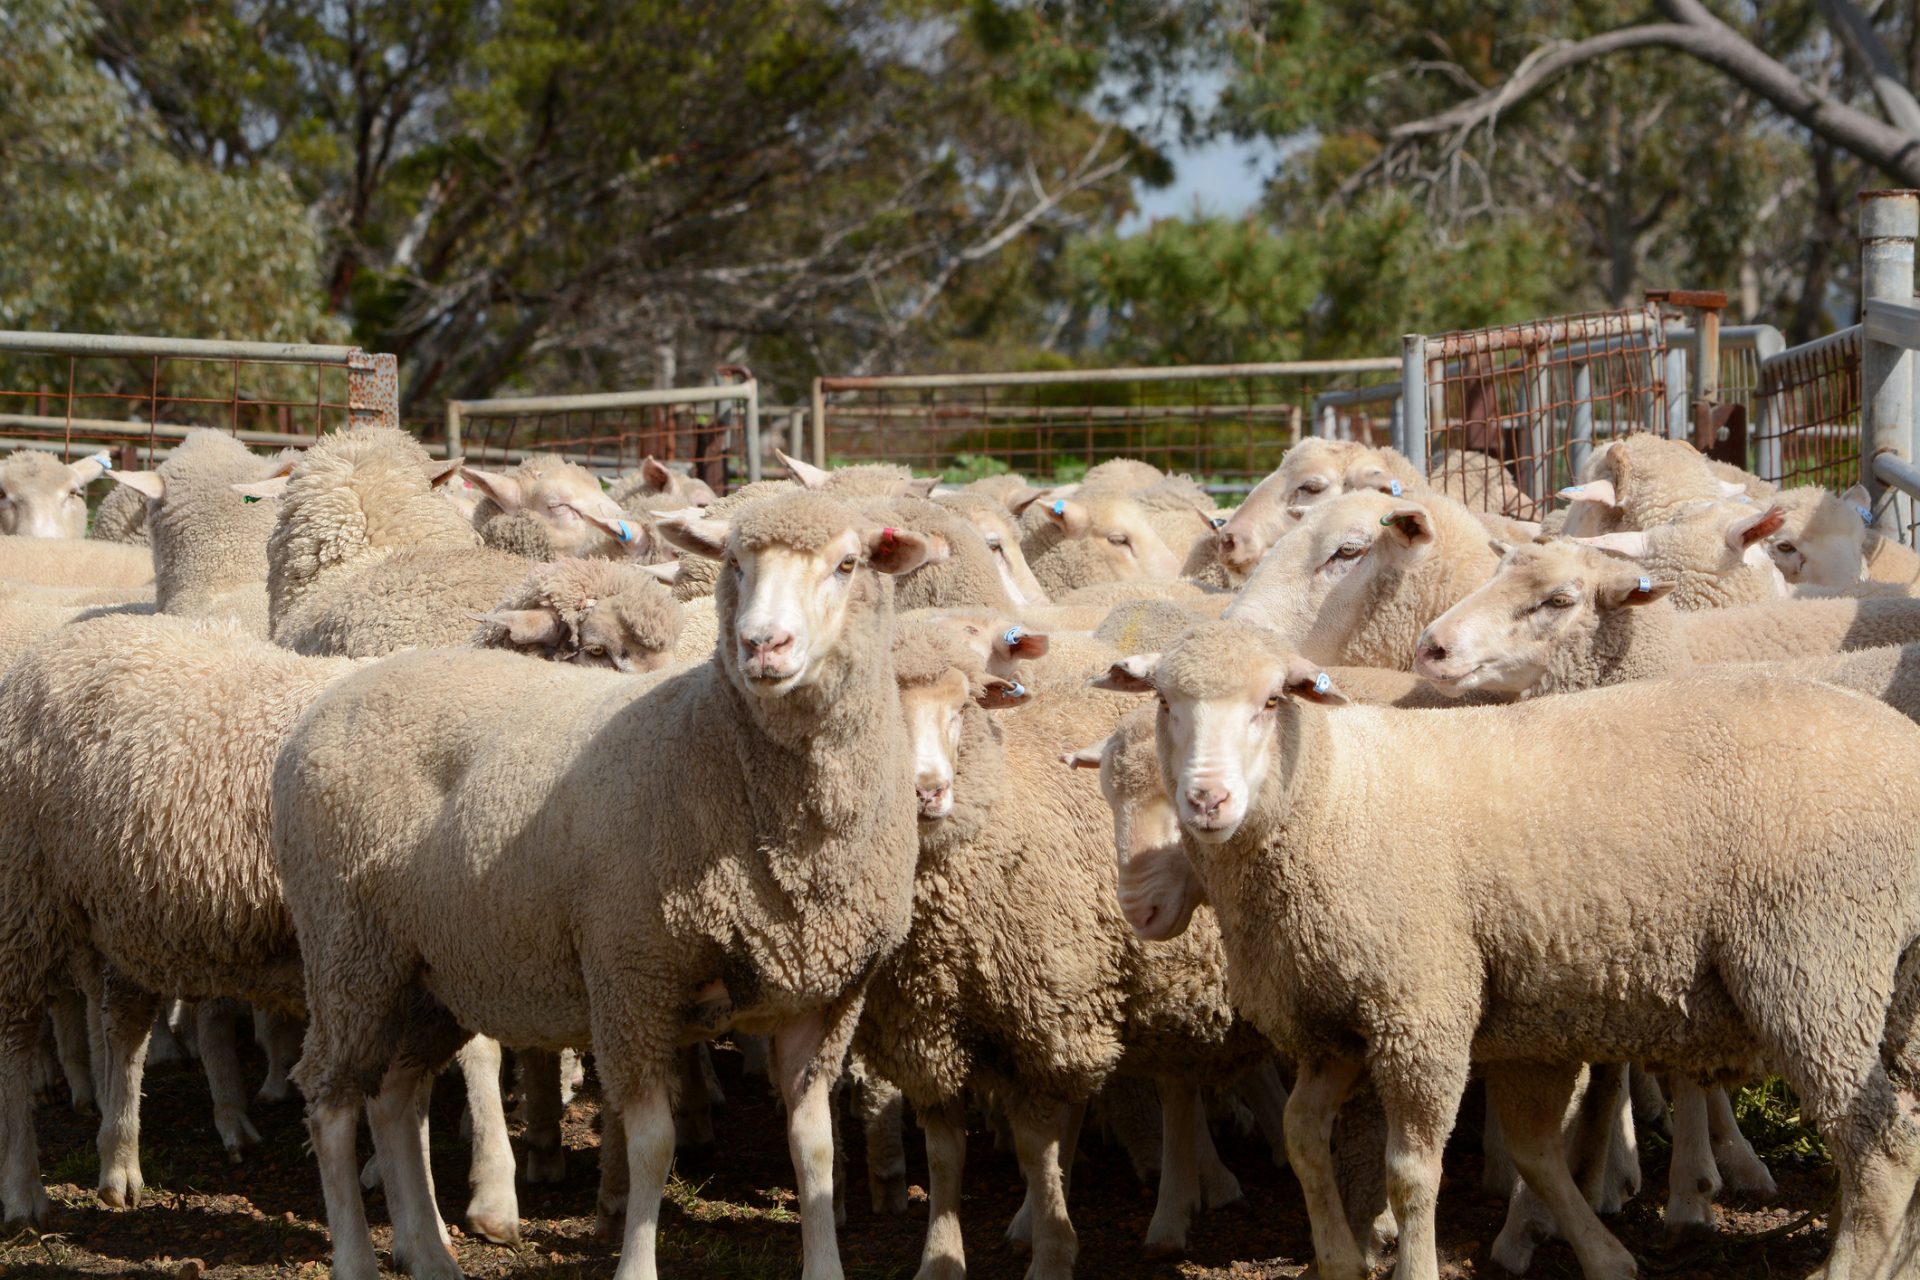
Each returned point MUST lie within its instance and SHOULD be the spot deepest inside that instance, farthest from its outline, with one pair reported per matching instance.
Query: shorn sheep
(568, 838)
(43, 497)
(1368, 936)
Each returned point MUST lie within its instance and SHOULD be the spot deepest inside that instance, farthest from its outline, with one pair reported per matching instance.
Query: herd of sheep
(991, 800)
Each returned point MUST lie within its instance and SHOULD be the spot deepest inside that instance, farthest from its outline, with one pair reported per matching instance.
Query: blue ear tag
(1059, 508)
(1396, 488)
(1646, 584)
(103, 460)
(1321, 684)
(1219, 522)
(1866, 514)
(625, 534)
(1572, 491)
(1018, 691)
(1012, 637)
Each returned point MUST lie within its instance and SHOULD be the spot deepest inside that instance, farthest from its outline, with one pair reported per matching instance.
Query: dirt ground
(731, 1209)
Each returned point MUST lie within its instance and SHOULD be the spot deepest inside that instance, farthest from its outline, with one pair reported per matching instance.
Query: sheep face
(658, 477)
(1716, 550)
(42, 497)
(1819, 543)
(1003, 540)
(1542, 601)
(1125, 544)
(564, 498)
(630, 640)
(996, 640)
(1225, 693)
(1158, 889)
(933, 715)
(1312, 587)
(1313, 471)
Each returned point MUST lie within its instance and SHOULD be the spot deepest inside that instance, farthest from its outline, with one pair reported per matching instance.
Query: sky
(1220, 177)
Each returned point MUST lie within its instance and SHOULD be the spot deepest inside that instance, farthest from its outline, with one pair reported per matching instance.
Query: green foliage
(1769, 1116)
(968, 467)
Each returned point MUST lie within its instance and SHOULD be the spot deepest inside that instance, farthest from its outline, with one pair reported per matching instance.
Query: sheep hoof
(1164, 1245)
(118, 1196)
(1682, 1235)
(1513, 1251)
(889, 1193)
(546, 1167)
(85, 1107)
(274, 1091)
(495, 1229)
(38, 1213)
(608, 1220)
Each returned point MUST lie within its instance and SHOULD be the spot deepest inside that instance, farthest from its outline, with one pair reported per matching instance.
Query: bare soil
(731, 1211)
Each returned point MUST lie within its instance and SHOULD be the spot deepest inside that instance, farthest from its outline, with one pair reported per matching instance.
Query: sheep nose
(1206, 800)
(766, 648)
(1431, 653)
(933, 800)
(1228, 541)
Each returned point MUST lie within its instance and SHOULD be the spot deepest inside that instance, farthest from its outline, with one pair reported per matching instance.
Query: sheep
(209, 544)
(593, 612)
(546, 508)
(1825, 542)
(1714, 553)
(960, 568)
(1481, 482)
(1562, 617)
(1093, 537)
(366, 558)
(1363, 572)
(999, 488)
(73, 562)
(121, 517)
(1002, 536)
(1482, 944)
(1016, 873)
(657, 479)
(1310, 471)
(772, 920)
(1122, 475)
(1638, 481)
(42, 497)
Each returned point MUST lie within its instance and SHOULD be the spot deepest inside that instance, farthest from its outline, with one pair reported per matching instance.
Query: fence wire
(1514, 410)
(1226, 427)
(1810, 397)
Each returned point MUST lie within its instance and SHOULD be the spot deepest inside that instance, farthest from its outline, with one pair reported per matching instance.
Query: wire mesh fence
(137, 396)
(1224, 424)
(1507, 415)
(1810, 413)
(712, 432)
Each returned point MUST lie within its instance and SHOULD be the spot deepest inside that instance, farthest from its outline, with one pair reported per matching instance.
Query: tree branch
(1857, 33)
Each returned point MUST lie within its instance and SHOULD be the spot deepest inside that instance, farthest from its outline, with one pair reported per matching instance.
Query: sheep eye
(993, 542)
(1117, 539)
(849, 564)
(596, 651)
(1350, 551)
(1273, 702)
(1784, 548)
(1560, 600)
(1313, 486)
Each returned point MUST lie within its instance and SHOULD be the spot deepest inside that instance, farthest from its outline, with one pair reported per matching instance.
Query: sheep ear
(1732, 489)
(939, 550)
(922, 486)
(1530, 529)
(1747, 530)
(504, 490)
(1016, 642)
(1498, 547)
(89, 469)
(1626, 592)
(526, 626)
(1086, 757)
(1857, 496)
(1412, 525)
(668, 573)
(1600, 491)
(1129, 675)
(897, 551)
(630, 534)
(1022, 498)
(997, 692)
(270, 489)
(1071, 517)
(1378, 479)
(656, 475)
(805, 474)
(690, 531)
(154, 487)
(1307, 682)
(440, 474)
(1633, 543)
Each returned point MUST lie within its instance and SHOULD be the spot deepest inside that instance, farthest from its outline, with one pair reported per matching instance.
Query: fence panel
(1505, 416)
(136, 395)
(1226, 424)
(712, 432)
(1809, 413)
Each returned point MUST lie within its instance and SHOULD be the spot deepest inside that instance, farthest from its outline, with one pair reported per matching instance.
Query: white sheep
(771, 920)
(655, 479)
(42, 497)
(1479, 942)
(73, 562)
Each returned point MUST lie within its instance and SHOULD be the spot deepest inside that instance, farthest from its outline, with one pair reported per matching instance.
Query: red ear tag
(886, 539)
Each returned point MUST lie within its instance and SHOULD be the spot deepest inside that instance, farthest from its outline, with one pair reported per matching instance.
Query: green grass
(1769, 1115)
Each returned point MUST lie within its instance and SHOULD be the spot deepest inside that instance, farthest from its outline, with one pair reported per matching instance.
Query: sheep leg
(611, 1209)
(1420, 1093)
(220, 1059)
(43, 1063)
(420, 1243)
(646, 1121)
(1218, 1187)
(127, 1022)
(73, 1043)
(1497, 1173)
(1266, 1096)
(281, 1035)
(164, 1046)
(693, 1115)
(883, 1113)
(1649, 1102)
(1692, 1178)
(943, 1257)
(1622, 1168)
(22, 1198)
(540, 1087)
(753, 1054)
(1311, 1107)
(1532, 1100)
(493, 1207)
(333, 1127)
(1038, 1128)
(1603, 1150)
(1740, 1166)
(807, 1057)
(1179, 1193)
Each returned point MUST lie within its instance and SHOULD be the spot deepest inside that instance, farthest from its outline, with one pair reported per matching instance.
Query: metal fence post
(1889, 221)
(1413, 400)
(1675, 375)
(453, 428)
(819, 423)
(1768, 448)
(373, 389)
